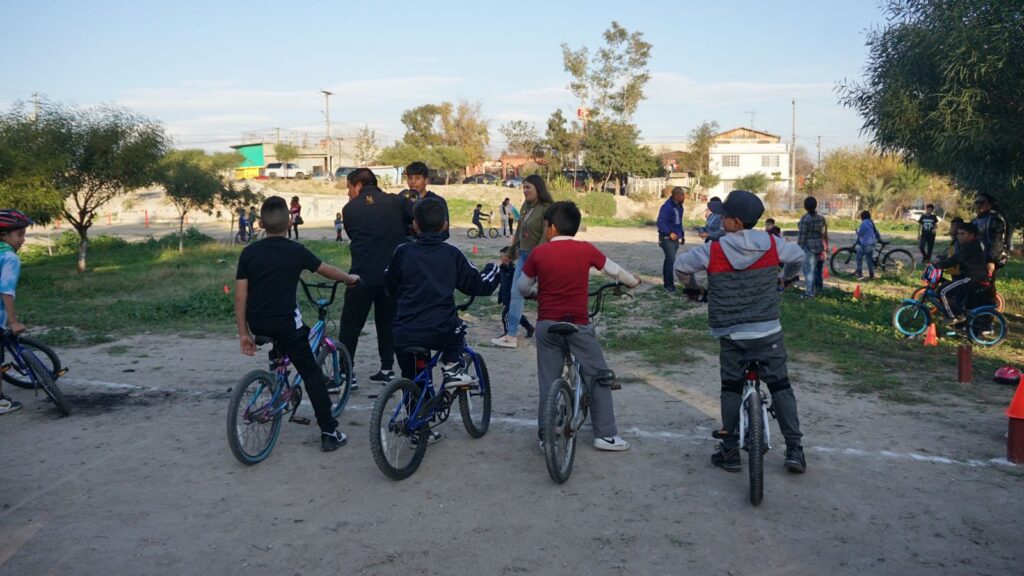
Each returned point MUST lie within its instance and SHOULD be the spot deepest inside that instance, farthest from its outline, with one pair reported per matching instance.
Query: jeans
(515, 305)
(812, 271)
(669, 247)
(355, 310)
(865, 252)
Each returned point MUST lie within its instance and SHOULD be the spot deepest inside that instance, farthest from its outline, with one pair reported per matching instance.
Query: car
(342, 172)
(915, 215)
(284, 170)
(514, 182)
(481, 179)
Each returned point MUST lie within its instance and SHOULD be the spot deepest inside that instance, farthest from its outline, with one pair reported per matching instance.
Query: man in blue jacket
(670, 233)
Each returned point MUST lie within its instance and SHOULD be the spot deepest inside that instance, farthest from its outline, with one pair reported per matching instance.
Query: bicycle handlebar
(332, 286)
(465, 305)
(617, 288)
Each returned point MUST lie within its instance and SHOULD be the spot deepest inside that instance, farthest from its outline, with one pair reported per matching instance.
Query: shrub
(598, 204)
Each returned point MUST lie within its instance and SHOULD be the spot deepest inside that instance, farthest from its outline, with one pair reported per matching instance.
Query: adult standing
(375, 223)
(811, 236)
(670, 233)
(295, 217)
(994, 234)
(529, 234)
(507, 220)
(929, 223)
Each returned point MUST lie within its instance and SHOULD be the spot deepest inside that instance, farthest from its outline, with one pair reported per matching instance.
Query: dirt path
(139, 480)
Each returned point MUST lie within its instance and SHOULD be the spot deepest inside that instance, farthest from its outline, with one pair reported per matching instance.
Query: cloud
(670, 87)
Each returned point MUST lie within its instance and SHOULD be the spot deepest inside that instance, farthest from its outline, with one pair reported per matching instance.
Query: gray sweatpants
(551, 359)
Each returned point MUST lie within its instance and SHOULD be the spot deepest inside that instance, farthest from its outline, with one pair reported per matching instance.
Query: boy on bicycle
(12, 236)
(265, 303)
(972, 272)
(422, 278)
(743, 313)
(558, 272)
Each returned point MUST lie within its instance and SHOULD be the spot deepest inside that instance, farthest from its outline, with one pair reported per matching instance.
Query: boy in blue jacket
(422, 278)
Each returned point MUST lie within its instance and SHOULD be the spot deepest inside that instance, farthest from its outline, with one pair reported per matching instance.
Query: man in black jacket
(374, 222)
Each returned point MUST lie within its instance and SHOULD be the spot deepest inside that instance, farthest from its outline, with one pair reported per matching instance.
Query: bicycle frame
(753, 383)
(425, 380)
(16, 352)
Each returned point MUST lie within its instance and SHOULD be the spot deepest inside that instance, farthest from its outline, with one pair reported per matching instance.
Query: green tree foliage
(33, 149)
(698, 159)
(611, 149)
(191, 183)
(520, 138)
(561, 142)
(448, 159)
(285, 153)
(756, 182)
(612, 80)
(945, 87)
(440, 135)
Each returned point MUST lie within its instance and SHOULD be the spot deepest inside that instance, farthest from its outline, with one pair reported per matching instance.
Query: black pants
(355, 310)
(450, 344)
(479, 227)
(522, 319)
(294, 227)
(294, 343)
(925, 245)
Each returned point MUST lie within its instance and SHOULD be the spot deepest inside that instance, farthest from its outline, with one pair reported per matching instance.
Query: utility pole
(792, 163)
(35, 106)
(330, 143)
(818, 164)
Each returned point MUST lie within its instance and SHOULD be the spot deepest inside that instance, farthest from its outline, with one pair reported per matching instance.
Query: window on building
(770, 161)
(731, 160)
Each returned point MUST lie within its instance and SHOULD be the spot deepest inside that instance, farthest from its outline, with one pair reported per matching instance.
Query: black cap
(740, 204)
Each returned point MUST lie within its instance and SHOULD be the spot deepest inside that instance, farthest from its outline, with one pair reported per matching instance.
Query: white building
(744, 151)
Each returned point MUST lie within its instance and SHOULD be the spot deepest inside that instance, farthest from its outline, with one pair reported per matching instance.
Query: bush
(67, 242)
(598, 204)
(193, 237)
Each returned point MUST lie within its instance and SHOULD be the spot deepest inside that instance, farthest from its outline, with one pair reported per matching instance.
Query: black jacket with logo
(375, 224)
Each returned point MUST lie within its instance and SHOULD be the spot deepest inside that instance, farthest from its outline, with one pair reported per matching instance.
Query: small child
(973, 271)
(265, 283)
(507, 269)
(479, 213)
(743, 313)
(243, 225)
(558, 272)
(771, 228)
(954, 248)
(12, 237)
(339, 225)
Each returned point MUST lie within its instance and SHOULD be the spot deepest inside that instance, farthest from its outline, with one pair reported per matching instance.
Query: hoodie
(742, 274)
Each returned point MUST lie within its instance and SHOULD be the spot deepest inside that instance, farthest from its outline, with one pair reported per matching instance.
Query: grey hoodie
(745, 303)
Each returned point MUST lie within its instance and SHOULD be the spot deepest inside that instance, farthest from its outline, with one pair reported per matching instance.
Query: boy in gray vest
(743, 313)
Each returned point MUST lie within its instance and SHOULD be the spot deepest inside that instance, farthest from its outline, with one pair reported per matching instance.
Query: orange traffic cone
(824, 271)
(930, 338)
(475, 249)
(226, 289)
(1016, 409)
(1015, 432)
(856, 293)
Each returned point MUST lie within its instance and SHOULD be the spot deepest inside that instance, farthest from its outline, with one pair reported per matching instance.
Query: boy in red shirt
(558, 273)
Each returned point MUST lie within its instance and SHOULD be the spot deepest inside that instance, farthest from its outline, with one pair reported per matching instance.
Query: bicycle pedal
(60, 373)
(616, 386)
(299, 420)
(719, 434)
(5, 368)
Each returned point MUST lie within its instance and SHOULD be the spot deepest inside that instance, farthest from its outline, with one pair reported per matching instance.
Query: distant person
(954, 247)
(670, 234)
(252, 221)
(295, 216)
(478, 213)
(929, 225)
(712, 229)
(243, 226)
(339, 225)
(812, 236)
(507, 219)
(417, 176)
(375, 224)
(867, 237)
(771, 228)
(12, 237)
(265, 304)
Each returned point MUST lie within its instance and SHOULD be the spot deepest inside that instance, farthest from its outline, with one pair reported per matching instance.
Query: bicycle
(755, 434)
(983, 325)
(490, 231)
(19, 376)
(30, 371)
(897, 262)
(262, 397)
(567, 402)
(918, 293)
(408, 410)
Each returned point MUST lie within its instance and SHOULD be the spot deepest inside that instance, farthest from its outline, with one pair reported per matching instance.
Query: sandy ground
(140, 480)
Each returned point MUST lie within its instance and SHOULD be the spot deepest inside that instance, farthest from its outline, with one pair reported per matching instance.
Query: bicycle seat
(606, 378)
(416, 351)
(563, 329)
(753, 361)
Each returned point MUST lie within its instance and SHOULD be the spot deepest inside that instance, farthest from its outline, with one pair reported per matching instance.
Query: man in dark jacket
(374, 222)
(670, 234)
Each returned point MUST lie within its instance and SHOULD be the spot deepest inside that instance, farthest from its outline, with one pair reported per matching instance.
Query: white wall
(751, 160)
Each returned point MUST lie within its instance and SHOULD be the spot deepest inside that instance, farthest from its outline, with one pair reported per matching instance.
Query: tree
(32, 152)
(756, 182)
(435, 129)
(191, 182)
(366, 146)
(285, 153)
(521, 138)
(422, 124)
(467, 130)
(873, 192)
(804, 164)
(944, 87)
(612, 80)
(611, 149)
(699, 157)
(561, 142)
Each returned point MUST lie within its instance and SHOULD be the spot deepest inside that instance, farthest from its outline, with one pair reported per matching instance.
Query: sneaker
(727, 459)
(505, 341)
(455, 375)
(433, 438)
(529, 331)
(670, 289)
(8, 405)
(331, 441)
(612, 444)
(383, 376)
(353, 386)
(540, 444)
(795, 459)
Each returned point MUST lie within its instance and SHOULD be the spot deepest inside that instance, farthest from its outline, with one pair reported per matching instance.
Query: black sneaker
(795, 459)
(331, 441)
(354, 386)
(727, 459)
(432, 438)
(383, 376)
(529, 331)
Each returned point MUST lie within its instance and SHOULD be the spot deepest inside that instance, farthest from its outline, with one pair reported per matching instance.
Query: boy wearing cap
(743, 313)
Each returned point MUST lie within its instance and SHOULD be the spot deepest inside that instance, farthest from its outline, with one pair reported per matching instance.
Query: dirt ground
(140, 480)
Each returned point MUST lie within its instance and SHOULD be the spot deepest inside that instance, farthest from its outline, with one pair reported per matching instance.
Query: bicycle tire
(843, 262)
(18, 377)
(492, 232)
(917, 295)
(911, 320)
(46, 382)
(473, 233)
(337, 376)
(898, 263)
(469, 399)
(559, 437)
(389, 435)
(253, 420)
(755, 446)
(979, 325)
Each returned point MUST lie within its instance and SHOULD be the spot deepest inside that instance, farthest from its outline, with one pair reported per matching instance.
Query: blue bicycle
(31, 364)
(262, 397)
(984, 325)
(407, 410)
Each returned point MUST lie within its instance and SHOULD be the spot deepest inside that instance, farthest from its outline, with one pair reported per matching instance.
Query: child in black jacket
(508, 271)
(973, 276)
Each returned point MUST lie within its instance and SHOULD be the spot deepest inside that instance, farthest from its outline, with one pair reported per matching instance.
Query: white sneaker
(456, 375)
(613, 444)
(7, 405)
(505, 341)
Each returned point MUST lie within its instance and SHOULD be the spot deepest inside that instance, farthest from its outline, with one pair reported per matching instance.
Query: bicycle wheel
(898, 263)
(559, 437)
(253, 423)
(475, 403)
(911, 319)
(987, 328)
(472, 233)
(18, 376)
(337, 370)
(918, 295)
(396, 449)
(755, 446)
(45, 379)
(492, 232)
(843, 262)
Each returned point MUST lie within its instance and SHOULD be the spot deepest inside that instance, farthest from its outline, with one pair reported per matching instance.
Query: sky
(213, 70)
